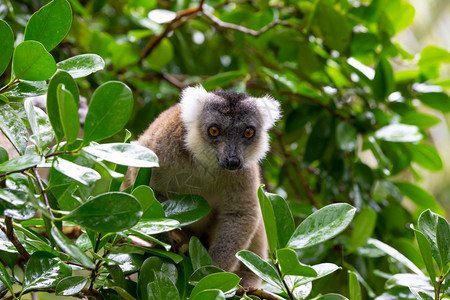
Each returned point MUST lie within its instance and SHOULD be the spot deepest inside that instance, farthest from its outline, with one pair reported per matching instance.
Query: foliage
(353, 127)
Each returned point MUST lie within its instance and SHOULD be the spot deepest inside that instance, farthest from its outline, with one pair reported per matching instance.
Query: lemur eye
(249, 132)
(213, 131)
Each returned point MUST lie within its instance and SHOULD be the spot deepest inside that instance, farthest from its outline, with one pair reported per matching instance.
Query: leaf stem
(10, 84)
(288, 291)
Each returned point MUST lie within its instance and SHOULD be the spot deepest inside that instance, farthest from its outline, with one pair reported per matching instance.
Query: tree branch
(12, 237)
(258, 292)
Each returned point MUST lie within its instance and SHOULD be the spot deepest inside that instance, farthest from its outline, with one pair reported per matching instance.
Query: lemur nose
(232, 163)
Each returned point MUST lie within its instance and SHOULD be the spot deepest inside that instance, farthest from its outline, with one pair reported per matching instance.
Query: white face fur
(233, 114)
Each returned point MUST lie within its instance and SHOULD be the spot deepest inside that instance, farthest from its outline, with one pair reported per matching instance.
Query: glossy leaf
(68, 113)
(109, 212)
(383, 82)
(395, 255)
(162, 288)
(268, 218)
(260, 267)
(212, 294)
(71, 249)
(32, 62)
(109, 110)
(128, 263)
(322, 225)
(53, 110)
(284, 219)
(427, 224)
(365, 222)
(70, 286)
(346, 136)
(13, 128)
(44, 270)
(25, 89)
(154, 226)
(425, 251)
(21, 163)
(413, 280)
(7, 38)
(186, 209)
(355, 289)
(151, 207)
(198, 254)
(5, 278)
(81, 65)
(50, 24)
(203, 272)
(322, 270)
(290, 265)
(3, 155)
(40, 126)
(332, 296)
(132, 155)
(399, 133)
(225, 282)
(83, 175)
(150, 267)
(443, 240)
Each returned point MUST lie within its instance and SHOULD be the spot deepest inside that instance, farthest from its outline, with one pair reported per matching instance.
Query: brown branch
(259, 293)
(9, 85)
(240, 28)
(12, 237)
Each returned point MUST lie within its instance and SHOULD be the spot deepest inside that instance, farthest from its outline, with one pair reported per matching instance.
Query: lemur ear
(192, 101)
(269, 109)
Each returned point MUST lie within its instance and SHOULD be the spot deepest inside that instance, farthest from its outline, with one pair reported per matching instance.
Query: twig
(258, 292)
(12, 237)
(288, 291)
(9, 85)
(43, 193)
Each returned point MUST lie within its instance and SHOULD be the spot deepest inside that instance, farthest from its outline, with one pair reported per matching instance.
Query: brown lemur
(211, 144)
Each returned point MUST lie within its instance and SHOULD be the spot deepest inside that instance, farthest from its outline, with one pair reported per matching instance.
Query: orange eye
(249, 132)
(213, 131)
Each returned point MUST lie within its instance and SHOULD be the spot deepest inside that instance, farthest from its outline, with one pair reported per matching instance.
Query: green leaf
(332, 26)
(443, 240)
(399, 133)
(268, 218)
(212, 294)
(43, 271)
(418, 195)
(150, 267)
(346, 136)
(318, 140)
(32, 62)
(162, 288)
(68, 113)
(413, 280)
(421, 120)
(161, 55)
(25, 89)
(117, 275)
(128, 263)
(151, 207)
(425, 252)
(260, 267)
(224, 281)
(198, 254)
(21, 163)
(186, 209)
(427, 224)
(365, 222)
(109, 212)
(332, 296)
(50, 24)
(13, 128)
(40, 126)
(5, 278)
(383, 83)
(82, 65)
(7, 38)
(322, 270)
(401, 15)
(132, 155)
(222, 79)
(70, 286)
(123, 54)
(109, 110)
(395, 255)
(287, 258)
(154, 226)
(436, 100)
(430, 60)
(284, 219)
(355, 289)
(426, 156)
(203, 272)
(322, 225)
(53, 110)
(3, 155)
(70, 248)
(83, 175)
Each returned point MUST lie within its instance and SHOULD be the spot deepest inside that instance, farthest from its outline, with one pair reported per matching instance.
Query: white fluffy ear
(269, 109)
(192, 100)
